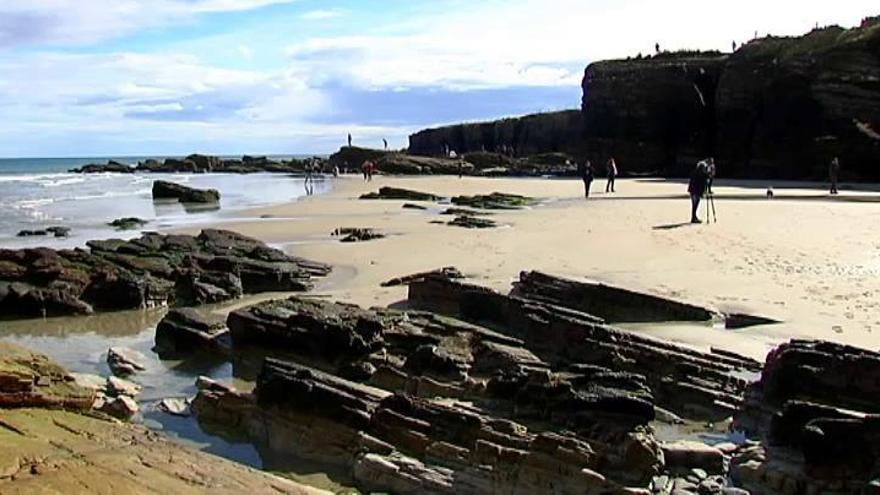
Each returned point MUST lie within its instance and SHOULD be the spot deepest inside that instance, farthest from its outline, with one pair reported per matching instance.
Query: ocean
(36, 193)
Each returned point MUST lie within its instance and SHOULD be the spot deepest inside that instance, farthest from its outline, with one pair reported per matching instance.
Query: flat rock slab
(29, 379)
(186, 330)
(45, 451)
(401, 194)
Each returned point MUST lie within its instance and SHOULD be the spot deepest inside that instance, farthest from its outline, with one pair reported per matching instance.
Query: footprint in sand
(837, 329)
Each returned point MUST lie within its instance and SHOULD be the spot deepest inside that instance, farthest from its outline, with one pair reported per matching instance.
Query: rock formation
(400, 194)
(357, 234)
(474, 391)
(128, 223)
(184, 194)
(776, 108)
(152, 270)
(816, 407)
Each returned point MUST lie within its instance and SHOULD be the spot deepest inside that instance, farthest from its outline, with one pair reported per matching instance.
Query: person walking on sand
(697, 187)
(365, 168)
(612, 174)
(585, 170)
(833, 174)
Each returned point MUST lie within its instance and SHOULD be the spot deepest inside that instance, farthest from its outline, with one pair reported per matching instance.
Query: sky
(154, 77)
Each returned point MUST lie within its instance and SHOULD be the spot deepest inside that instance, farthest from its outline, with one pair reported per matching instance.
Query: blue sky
(127, 77)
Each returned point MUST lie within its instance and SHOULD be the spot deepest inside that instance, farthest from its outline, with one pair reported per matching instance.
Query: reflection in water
(114, 324)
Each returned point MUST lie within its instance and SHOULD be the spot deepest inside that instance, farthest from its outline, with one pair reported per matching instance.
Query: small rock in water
(122, 407)
(90, 381)
(124, 361)
(118, 386)
(175, 406)
(127, 223)
(205, 383)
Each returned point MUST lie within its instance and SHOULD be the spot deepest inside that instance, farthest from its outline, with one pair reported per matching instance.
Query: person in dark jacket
(585, 171)
(697, 187)
(612, 174)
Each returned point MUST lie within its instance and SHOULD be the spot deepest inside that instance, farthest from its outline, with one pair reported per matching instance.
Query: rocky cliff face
(778, 107)
(529, 135)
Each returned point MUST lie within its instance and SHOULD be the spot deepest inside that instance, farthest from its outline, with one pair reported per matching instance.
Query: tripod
(710, 207)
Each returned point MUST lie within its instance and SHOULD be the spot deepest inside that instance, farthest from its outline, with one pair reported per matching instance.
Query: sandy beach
(803, 258)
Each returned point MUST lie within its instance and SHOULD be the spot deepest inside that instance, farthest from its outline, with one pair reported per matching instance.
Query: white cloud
(547, 42)
(89, 21)
(322, 14)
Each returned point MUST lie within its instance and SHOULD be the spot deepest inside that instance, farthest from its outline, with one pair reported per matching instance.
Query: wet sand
(804, 258)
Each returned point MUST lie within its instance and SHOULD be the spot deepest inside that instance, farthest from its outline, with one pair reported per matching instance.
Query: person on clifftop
(697, 187)
(834, 173)
(349, 140)
(612, 174)
(585, 171)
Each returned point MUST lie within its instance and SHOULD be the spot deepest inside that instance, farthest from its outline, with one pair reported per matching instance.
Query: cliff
(776, 108)
(528, 135)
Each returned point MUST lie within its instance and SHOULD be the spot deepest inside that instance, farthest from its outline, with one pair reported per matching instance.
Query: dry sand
(803, 257)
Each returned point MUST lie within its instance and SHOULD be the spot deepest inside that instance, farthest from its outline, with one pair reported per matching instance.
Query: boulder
(124, 361)
(357, 234)
(117, 386)
(447, 271)
(494, 201)
(401, 194)
(110, 167)
(170, 190)
(311, 327)
(175, 406)
(128, 223)
(122, 407)
(684, 455)
(470, 222)
(185, 330)
(152, 270)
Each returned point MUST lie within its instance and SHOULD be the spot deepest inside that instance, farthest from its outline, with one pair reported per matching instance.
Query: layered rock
(185, 330)
(526, 395)
(400, 194)
(357, 234)
(529, 135)
(111, 166)
(184, 194)
(28, 379)
(149, 271)
(816, 407)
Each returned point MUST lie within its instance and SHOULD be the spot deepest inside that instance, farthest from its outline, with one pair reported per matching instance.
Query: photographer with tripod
(698, 186)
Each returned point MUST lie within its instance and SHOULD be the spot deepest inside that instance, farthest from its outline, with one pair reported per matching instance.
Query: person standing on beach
(710, 172)
(697, 187)
(834, 173)
(585, 170)
(365, 168)
(612, 174)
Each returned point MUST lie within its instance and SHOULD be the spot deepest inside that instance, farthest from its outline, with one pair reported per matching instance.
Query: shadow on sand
(673, 226)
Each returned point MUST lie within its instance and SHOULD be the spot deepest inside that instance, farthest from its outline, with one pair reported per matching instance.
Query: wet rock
(152, 270)
(465, 212)
(184, 194)
(110, 167)
(124, 361)
(90, 381)
(128, 223)
(175, 406)
(355, 234)
(56, 231)
(185, 330)
(447, 271)
(413, 206)
(122, 407)
(327, 330)
(117, 386)
(494, 201)
(400, 194)
(735, 321)
(469, 222)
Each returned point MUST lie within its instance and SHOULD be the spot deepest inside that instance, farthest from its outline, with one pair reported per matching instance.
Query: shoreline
(754, 260)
